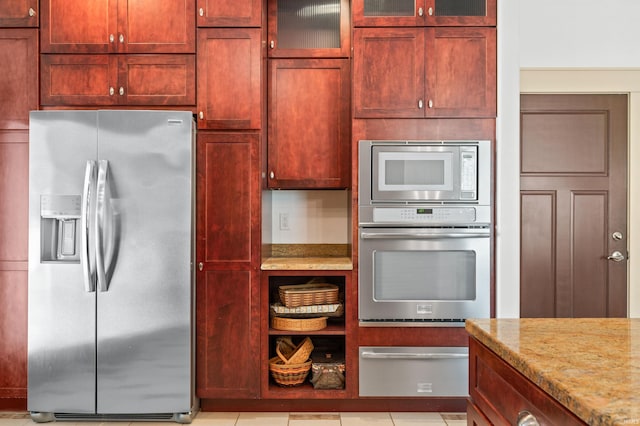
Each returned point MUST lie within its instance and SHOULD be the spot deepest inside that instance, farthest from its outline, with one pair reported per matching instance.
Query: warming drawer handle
(88, 267)
(383, 235)
(414, 355)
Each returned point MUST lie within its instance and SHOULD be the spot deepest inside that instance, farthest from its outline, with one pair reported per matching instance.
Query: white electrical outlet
(284, 221)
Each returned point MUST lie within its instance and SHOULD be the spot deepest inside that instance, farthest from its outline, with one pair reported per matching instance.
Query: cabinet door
(167, 26)
(79, 80)
(78, 26)
(19, 82)
(14, 228)
(18, 13)
(461, 12)
(229, 13)
(309, 28)
(157, 79)
(461, 72)
(228, 242)
(388, 13)
(309, 123)
(388, 75)
(229, 78)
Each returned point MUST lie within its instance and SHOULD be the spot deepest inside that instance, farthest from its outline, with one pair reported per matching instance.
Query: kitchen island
(562, 371)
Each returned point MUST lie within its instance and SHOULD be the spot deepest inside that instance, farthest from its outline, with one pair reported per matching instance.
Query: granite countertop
(589, 365)
(282, 257)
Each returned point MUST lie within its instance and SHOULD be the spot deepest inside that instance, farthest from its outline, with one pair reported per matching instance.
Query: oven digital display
(424, 211)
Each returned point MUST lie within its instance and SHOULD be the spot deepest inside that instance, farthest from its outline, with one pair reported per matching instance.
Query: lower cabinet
(500, 395)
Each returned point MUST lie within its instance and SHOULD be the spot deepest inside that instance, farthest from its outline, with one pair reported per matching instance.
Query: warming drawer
(414, 371)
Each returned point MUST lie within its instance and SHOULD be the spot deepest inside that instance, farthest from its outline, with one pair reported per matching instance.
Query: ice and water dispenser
(60, 227)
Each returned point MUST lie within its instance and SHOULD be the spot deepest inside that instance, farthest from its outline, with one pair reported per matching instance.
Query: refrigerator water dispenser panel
(60, 227)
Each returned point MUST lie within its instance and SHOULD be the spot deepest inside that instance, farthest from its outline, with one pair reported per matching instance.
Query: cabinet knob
(200, 266)
(430, 103)
(272, 44)
(272, 175)
(201, 12)
(525, 418)
(121, 91)
(121, 38)
(420, 104)
(111, 91)
(201, 115)
(32, 12)
(430, 11)
(420, 12)
(112, 38)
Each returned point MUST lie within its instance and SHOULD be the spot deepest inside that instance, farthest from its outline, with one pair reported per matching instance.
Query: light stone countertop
(589, 365)
(307, 263)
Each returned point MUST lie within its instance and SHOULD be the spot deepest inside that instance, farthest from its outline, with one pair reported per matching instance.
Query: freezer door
(61, 306)
(144, 194)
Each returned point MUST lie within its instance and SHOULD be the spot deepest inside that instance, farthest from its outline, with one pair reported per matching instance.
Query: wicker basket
(299, 324)
(292, 354)
(288, 374)
(308, 294)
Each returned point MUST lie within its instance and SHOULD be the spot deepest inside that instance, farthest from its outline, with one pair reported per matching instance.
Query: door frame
(605, 81)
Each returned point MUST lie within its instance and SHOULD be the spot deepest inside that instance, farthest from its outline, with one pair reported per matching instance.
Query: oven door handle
(412, 355)
(422, 235)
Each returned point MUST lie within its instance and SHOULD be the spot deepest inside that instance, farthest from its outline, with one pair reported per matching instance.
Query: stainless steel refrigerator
(111, 220)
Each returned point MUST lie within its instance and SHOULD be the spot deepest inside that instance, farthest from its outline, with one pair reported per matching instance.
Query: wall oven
(424, 232)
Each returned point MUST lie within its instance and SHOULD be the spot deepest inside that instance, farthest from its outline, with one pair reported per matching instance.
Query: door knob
(617, 236)
(616, 256)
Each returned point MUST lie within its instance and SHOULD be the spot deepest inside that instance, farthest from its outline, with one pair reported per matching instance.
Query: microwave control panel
(424, 214)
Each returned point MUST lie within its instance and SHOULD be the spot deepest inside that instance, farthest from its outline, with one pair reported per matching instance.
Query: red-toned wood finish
(18, 13)
(308, 145)
(229, 78)
(19, 82)
(424, 72)
(500, 393)
(227, 251)
(412, 336)
(14, 226)
(275, 51)
(422, 17)
(118, 26)
(229, 13)
(106, 80)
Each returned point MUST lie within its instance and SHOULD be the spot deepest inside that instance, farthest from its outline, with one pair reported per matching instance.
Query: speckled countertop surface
(283, 257)
(591, 366)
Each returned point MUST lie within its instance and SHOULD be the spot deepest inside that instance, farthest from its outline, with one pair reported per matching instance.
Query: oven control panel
(424, 215)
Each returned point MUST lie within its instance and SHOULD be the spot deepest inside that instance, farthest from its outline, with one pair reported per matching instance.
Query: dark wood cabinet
(227, 251)
(414, 13)
(118, 26)
(106, 80)
(229, 78)
(309, 29)
(18, 13)
(424, 72)
(309, 123)
(229, 13)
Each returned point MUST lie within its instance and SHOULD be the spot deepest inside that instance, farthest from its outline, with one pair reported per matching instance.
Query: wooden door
(18, 13)
(227, 251)
(388, 74)
(309, 124)
(229, 78)
(229, 13)
(395, 13)
(460, 72)
(573, 193)
(458, 13)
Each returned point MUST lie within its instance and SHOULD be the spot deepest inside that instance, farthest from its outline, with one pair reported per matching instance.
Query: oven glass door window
(424, 275)
(415, 171)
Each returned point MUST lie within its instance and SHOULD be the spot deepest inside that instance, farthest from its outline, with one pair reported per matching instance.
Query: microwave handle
(411, 355)
(422, 235)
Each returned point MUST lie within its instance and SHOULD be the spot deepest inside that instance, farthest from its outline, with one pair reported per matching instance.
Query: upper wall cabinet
(118, 26)
(309, 28)
(383, 13)
(18, 13)
(229, 13)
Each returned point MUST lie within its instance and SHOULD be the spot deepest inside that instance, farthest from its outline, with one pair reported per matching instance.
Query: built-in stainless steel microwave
(424, 172)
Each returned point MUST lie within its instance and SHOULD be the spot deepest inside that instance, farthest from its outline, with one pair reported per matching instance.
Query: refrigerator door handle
(101, 223)
(88, 265)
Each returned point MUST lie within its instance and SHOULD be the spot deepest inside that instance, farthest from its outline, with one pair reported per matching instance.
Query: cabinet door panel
(19, 83)
(18, 13)
(78, 26)
(229, 13)
(83, 80)
(461, 13)
(385, 13)
(13, 329)
(388, 72)
(14, 190)
(309, 123)
(461, 72)
(229, 78)
(151, 26)
(157, 79)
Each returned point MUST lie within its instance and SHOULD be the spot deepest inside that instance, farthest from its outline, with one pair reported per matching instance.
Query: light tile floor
(285, 419)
